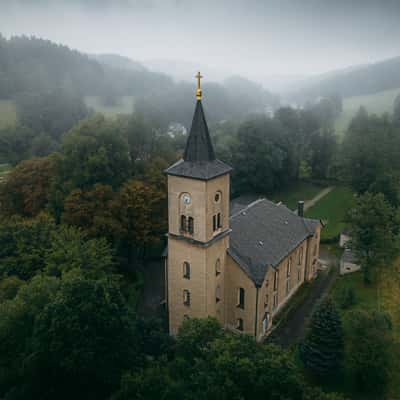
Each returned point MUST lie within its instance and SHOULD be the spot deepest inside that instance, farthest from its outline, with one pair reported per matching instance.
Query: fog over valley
(267, 41)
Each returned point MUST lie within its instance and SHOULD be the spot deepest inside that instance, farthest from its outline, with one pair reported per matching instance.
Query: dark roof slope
(199, 160)
(198, 145)
(263, 234)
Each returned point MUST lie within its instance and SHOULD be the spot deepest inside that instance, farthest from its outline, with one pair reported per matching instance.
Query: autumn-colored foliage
(27, 188)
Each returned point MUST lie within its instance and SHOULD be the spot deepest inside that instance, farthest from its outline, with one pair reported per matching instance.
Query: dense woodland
(84, 208)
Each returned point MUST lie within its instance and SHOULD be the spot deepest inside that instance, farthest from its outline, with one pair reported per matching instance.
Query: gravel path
(310, 203)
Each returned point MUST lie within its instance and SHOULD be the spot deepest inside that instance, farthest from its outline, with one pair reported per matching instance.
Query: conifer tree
(322, 349)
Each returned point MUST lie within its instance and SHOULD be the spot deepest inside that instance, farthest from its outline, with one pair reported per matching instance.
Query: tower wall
(204, 250)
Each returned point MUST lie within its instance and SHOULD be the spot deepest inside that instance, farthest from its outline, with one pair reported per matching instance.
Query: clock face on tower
(187, 199)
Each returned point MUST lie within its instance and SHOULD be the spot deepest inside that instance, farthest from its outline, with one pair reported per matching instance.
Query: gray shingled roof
(263, 234)
(199, 160)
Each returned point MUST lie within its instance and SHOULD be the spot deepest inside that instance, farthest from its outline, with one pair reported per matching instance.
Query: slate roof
(199, 161)
(263, 234)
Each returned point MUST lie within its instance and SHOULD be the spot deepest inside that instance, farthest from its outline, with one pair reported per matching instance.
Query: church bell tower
(198, 232)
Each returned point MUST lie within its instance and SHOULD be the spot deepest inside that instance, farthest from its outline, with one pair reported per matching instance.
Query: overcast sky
(242, 36)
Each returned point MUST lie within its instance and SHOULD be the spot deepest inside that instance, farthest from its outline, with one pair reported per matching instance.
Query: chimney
(300, 209)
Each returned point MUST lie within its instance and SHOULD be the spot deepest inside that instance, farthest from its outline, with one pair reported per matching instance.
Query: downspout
(256, 319)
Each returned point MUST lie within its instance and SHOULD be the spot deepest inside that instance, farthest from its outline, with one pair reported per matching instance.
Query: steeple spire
(199, 160)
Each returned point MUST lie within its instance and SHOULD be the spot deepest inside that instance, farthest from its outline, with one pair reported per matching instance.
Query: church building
(234, 261)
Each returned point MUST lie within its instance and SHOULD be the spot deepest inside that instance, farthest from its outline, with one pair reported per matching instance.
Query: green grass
(8, 113)
(124, 106)
(332, 210)
(378, 103)
(299, 191)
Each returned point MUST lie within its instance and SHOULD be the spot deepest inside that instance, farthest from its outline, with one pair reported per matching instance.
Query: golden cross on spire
(199, 92)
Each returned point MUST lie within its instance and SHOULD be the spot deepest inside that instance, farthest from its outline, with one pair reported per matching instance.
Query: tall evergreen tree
(322, 349)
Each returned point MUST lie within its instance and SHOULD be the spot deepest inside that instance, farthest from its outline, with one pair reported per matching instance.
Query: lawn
(8, 113)
(299, 191)
(125, 106)
(378, 103)
(381, 296)
(332, 210)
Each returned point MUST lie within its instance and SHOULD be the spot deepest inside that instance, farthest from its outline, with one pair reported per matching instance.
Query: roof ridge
(248, 206)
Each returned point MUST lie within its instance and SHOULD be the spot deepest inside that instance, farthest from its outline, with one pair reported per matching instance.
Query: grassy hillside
(332, 210)
(125, 106)
(377, 103)
(8, 114)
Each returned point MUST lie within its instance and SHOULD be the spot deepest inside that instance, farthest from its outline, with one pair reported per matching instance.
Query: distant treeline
(34, 66)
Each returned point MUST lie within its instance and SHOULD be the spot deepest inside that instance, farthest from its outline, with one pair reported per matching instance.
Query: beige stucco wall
(234, 279)
(202, 207)
(203, 256)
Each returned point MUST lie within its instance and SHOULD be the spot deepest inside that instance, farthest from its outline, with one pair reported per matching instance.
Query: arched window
(240, 300)
(239, 324)
(186, 270)
(218, 267)
(218, 295)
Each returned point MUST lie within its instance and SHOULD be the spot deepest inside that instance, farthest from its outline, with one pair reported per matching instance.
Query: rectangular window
(240, 302)
(183, 223)
(239, 324)
(186, 297)
(219, 222)
(299, 275)
(186, 270)
(214, 223)
(190, 225)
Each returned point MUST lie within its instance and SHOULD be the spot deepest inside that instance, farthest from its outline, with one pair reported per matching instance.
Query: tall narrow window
(299, 275)
(190, 225)
(217, 267)
(214, 223)
(219, 221)
(289, 266)
(239, 324)
(275, 304)
(218, 294)
(276, 277)
(186, 270)
(301, 256)
(240, 300)
(183, 223)
(186, 297)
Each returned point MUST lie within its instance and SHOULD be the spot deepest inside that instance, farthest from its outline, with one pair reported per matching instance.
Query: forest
(83, 208)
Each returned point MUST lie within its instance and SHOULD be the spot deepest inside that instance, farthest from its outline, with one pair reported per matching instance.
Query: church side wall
(235, 278)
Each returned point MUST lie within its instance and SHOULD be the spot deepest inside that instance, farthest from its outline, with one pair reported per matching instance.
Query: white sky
(285, 37)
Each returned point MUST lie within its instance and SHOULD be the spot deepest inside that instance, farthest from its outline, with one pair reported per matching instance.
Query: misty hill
(354, 81)
(117, 61)
(35, 66)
